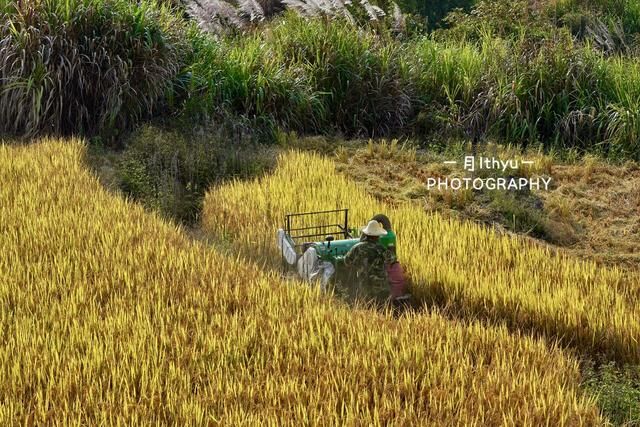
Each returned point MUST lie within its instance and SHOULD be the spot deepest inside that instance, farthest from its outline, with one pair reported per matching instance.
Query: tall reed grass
(324, 76)
(85, 66)
(305, 75)
(111, 315)
(556, 92)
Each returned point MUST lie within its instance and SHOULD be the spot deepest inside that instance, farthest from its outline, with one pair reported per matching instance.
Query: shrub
(626, 12)
(85, 66)
(501, 18)
(170, 171)
(433, 11)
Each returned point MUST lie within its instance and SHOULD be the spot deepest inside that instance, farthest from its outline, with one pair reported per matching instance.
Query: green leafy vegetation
(169, 170)
(308, 76)
(435, 11)
(519, 78)
(617, 390)
(514, 71)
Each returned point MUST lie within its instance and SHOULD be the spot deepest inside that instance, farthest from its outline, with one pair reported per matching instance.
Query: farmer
(369, 261)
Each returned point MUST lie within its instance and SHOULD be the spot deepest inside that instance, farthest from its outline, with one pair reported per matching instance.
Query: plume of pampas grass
(215, 15)
(251, 9)
(372, 10)
(399, 21)
(333, 8)
(218, 16)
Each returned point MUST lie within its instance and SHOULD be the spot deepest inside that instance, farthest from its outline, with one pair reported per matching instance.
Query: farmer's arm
(389, 257)
(352, 255)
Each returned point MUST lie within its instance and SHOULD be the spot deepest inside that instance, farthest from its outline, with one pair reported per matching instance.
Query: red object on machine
(398, 284)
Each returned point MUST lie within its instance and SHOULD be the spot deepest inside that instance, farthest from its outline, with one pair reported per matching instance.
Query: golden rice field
(471, 271)
(111, 315)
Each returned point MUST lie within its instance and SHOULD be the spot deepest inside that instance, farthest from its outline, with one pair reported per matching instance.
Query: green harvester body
(335, 251)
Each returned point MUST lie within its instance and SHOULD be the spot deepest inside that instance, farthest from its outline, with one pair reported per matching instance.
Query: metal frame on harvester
(326, 229)
(300, 238)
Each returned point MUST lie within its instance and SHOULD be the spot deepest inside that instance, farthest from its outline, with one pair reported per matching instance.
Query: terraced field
(118, 317)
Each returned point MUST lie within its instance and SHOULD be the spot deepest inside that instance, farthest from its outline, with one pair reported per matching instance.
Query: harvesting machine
(314, 244)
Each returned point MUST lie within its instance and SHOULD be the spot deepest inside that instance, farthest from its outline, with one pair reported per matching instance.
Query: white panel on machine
(308, 264)
(288, 252)
(311, 268)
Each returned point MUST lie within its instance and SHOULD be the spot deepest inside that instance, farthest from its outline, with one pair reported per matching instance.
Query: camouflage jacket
(368, 260)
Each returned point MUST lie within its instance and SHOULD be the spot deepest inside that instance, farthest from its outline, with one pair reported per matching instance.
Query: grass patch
(86, 67)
